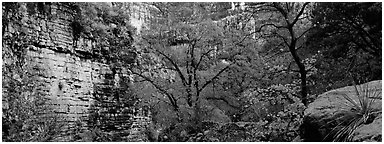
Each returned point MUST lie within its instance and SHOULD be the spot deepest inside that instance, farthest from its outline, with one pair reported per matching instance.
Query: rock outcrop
(321, 115)
(79, 82)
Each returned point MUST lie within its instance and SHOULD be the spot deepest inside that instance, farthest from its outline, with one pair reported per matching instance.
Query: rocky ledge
(321, 116)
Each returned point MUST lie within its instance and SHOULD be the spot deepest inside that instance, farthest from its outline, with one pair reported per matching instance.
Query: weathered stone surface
(69, 73)
(321, 113)
(370, 132)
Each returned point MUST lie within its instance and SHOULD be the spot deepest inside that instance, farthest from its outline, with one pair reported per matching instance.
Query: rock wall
(140, 15)
(79, 83)
(70, 80)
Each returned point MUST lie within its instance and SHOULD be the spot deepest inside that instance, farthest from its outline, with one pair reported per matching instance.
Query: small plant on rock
(354, 113)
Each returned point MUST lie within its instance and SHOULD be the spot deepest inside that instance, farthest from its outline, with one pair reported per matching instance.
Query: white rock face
(139, 16)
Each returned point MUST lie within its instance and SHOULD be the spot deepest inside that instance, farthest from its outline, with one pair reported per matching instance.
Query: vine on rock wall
(108, 27)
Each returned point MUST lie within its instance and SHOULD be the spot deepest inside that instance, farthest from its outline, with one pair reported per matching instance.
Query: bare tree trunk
(302, 71)
(292, 48)
(304, 91)
(198, 114)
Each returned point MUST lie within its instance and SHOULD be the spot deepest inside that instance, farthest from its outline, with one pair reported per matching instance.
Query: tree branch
(300, 13)
(170, 96)
(259, 30)
(174, 65)
(217, 75)
(281, 10)
(284, 39)
(201, 58)
(304, 32)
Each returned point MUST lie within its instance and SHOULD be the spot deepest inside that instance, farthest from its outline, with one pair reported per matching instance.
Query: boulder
(321, 116)
(369, 132)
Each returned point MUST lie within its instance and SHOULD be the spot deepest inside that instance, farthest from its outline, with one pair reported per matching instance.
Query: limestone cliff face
(77, 79)
(140, 15)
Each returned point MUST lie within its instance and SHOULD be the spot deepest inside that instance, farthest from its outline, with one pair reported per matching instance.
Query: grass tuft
(354, 113)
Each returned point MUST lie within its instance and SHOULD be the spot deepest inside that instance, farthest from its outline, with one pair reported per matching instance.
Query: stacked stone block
(70, 74)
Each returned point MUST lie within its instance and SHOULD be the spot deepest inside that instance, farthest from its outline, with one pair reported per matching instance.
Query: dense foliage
(348, 37)
(206, 71)
(108, 26)
(272, 51)
(182, 50)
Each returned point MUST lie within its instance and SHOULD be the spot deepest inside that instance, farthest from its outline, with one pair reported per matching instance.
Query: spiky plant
(354, 113)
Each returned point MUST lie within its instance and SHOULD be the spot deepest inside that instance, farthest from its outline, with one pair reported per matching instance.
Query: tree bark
(302, 71)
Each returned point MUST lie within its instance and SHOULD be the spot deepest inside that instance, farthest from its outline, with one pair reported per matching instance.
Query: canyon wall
(80, 83)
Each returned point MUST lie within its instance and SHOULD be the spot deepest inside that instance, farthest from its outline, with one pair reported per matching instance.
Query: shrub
(27, 115)
(279, 113)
